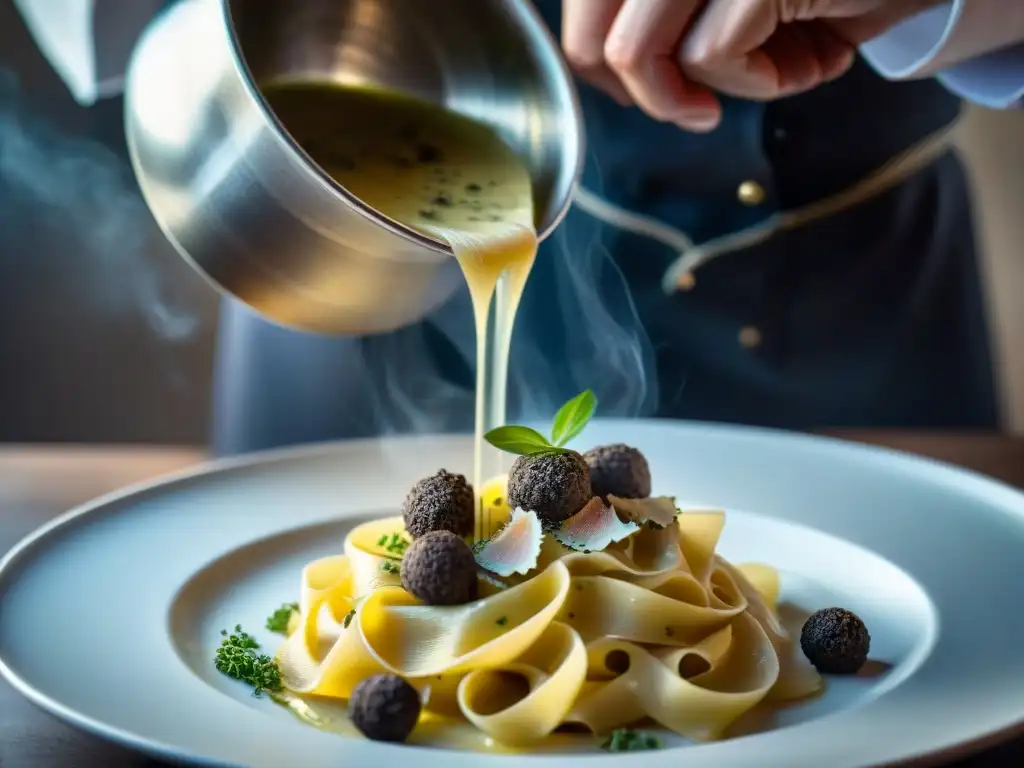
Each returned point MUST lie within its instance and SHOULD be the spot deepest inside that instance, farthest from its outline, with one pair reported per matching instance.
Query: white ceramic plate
(111, 614)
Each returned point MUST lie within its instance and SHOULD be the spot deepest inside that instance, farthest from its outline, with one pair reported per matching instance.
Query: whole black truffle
(835, 641)
(384, 708)
(441, 502)
(619, 470)
(439, 569)
(554, 485)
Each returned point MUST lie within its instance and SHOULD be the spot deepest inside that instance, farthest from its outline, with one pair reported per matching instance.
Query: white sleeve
(929, 43)
(88, 42)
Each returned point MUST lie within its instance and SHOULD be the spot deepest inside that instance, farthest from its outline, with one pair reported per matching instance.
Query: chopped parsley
(628, 740)
(502, 621)
(278, 621)
(348, 618)
(238, 657)
(396, 543)
(389, 567)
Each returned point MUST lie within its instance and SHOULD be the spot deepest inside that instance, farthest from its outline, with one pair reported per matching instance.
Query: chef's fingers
(746, 49)
(642, 50)
(585, 26)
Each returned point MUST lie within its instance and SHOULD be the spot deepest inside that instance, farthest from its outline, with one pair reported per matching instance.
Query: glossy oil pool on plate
(110, 615)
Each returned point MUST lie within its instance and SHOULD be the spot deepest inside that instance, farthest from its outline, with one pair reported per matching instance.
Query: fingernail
(696, 48)
(697, 120)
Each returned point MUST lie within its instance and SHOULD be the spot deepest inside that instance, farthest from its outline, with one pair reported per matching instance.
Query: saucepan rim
(527, 13)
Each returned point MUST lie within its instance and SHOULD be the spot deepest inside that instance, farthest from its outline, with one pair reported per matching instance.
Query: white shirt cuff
(993, 80)
(906, 49)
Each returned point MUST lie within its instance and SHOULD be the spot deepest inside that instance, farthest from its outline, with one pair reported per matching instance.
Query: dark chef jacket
(872, 316)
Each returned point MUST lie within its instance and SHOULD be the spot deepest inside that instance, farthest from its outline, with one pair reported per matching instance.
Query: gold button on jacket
(751, 193)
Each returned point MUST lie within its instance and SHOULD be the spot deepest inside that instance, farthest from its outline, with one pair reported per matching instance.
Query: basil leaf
(521, 441)
(573, 417)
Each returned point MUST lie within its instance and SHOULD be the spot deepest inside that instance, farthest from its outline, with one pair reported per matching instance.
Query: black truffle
(441, 502)
(384, 708)
(619, 470)
(439, 569)
(554, 485)
(835, 641)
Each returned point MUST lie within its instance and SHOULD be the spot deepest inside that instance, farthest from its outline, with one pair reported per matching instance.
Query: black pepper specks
(384, 708)
(441, 502)
(835, 641)
(428, 153)
(439, 569)
(554, 485)
(619, 470)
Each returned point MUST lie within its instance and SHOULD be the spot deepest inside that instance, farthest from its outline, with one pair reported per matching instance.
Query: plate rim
(9, 561)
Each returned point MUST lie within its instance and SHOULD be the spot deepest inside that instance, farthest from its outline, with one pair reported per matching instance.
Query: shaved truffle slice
(593, 528)
(658, 510)
(515, 548)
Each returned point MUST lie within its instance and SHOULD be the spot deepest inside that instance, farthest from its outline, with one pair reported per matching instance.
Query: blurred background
(107, 336)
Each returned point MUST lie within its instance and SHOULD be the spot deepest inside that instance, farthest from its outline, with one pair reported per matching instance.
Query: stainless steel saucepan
(250, 210)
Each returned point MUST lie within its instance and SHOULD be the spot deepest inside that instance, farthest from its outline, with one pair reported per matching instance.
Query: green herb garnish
(502, 621)
(382, 540)
(389, 568)
(348, 618)
(278, 621)
(238, 657)
(570, 420)
(628, 740)
(396, 544)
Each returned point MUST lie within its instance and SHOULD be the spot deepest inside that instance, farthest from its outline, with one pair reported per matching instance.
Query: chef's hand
(669, 57)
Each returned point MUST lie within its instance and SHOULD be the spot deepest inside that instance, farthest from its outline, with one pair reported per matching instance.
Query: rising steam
(577, 328)
(82, 197)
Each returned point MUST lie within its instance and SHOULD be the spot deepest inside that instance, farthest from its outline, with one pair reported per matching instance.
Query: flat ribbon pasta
(549, 676)
(657, 626)
(740, 670)
(391, 632)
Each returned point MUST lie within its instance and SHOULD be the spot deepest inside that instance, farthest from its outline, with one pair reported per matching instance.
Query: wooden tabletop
(37, 483)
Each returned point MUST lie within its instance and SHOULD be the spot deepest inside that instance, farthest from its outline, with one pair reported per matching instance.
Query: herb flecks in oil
(628, 740)
(396, 544)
